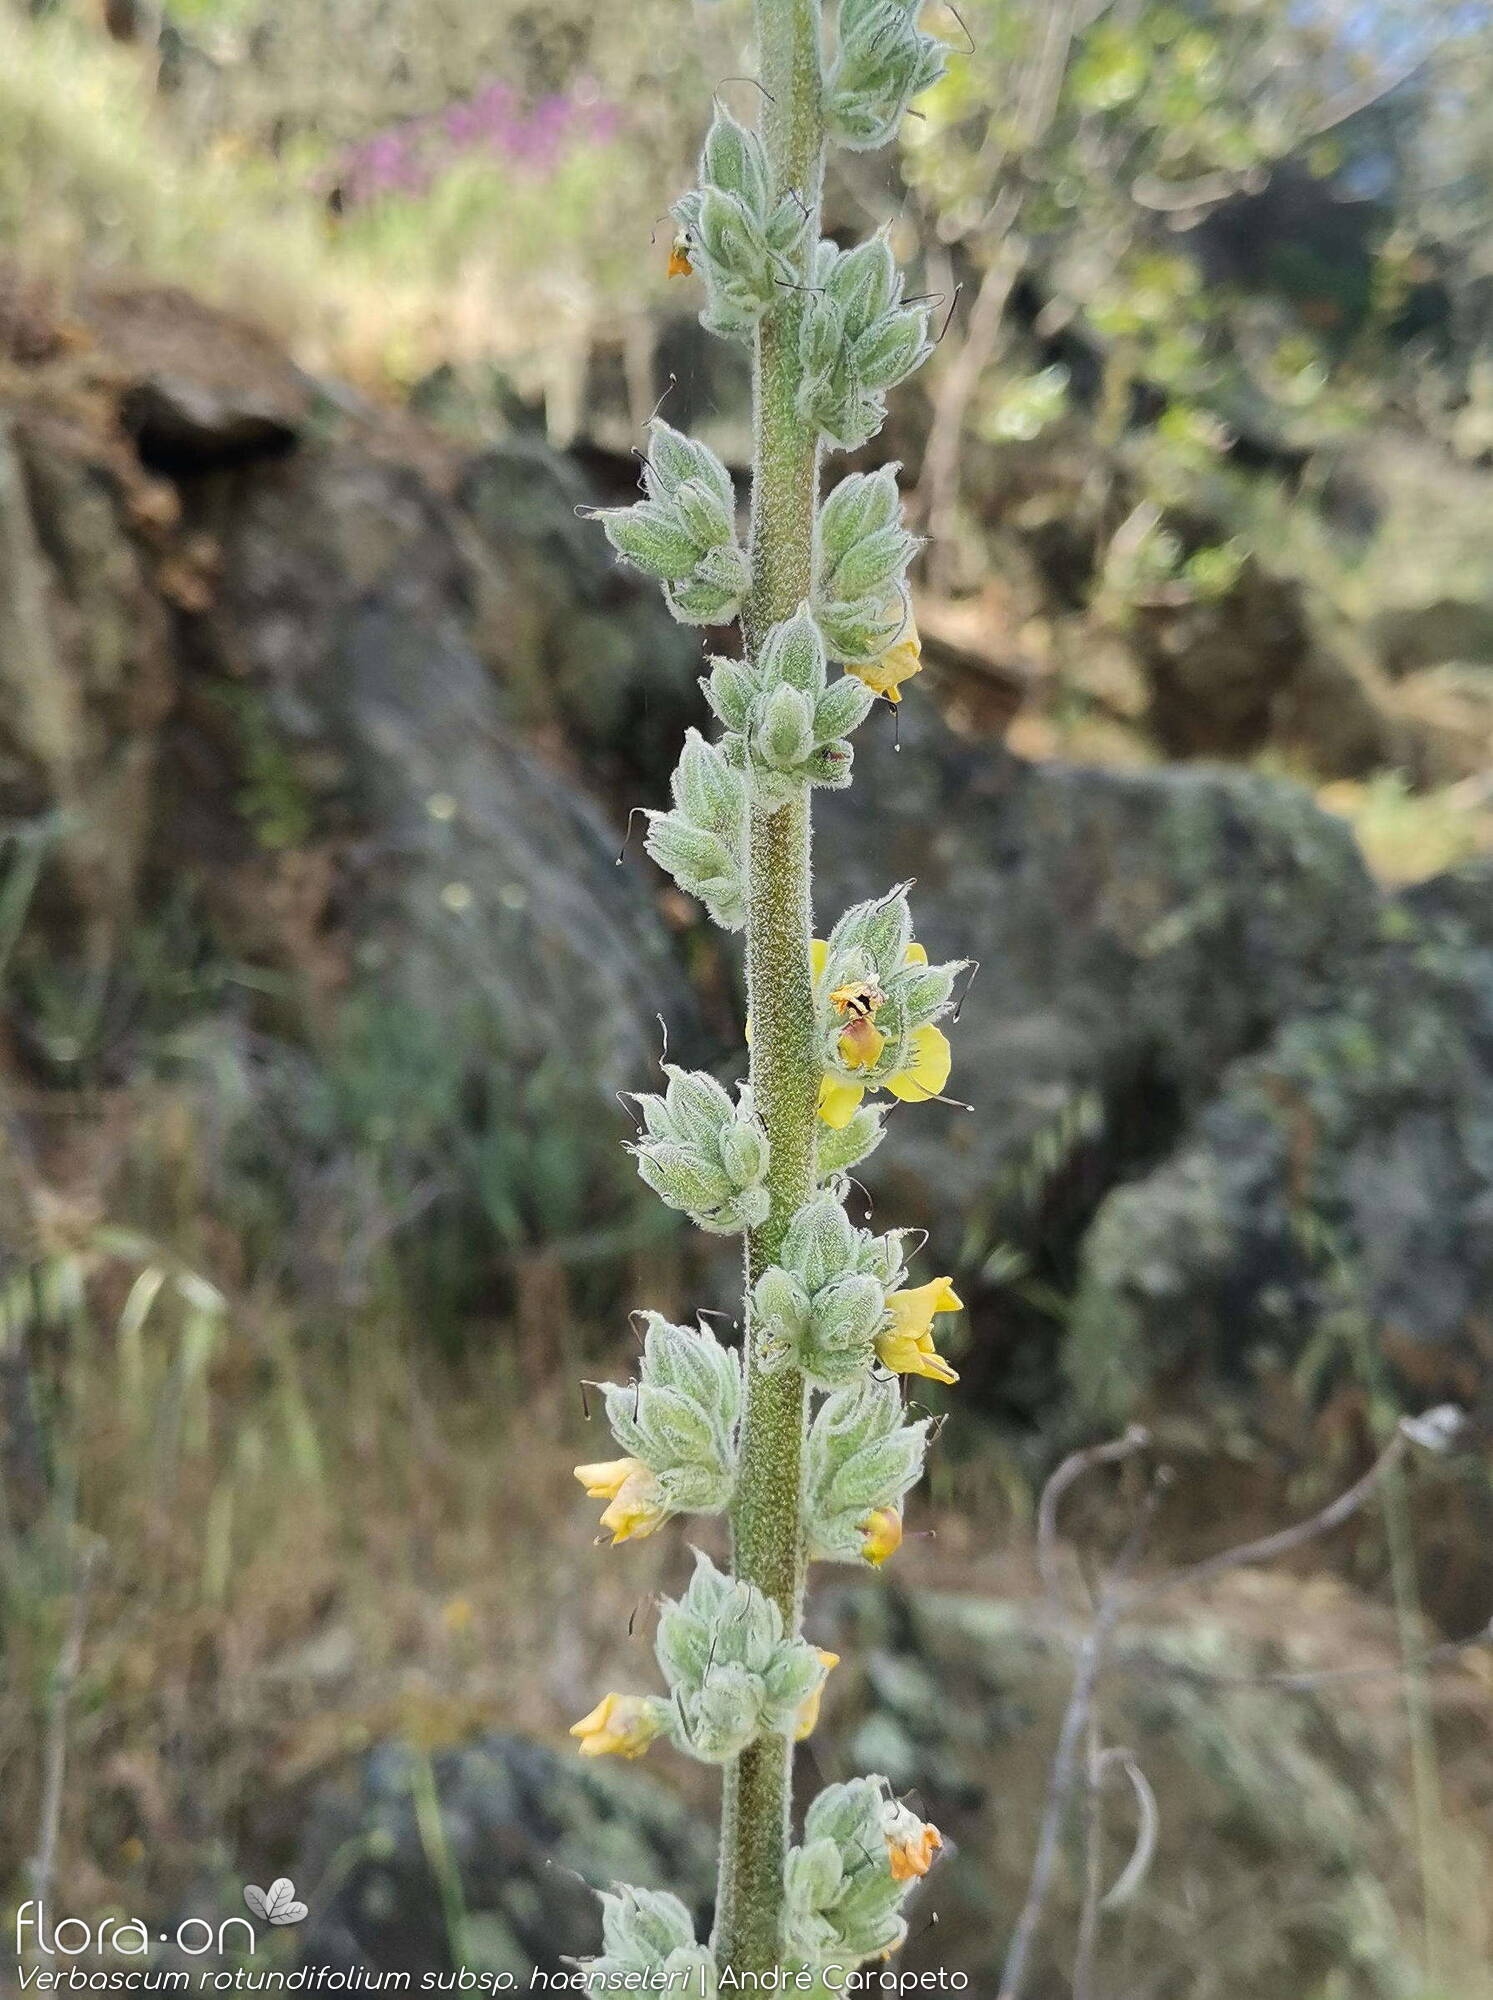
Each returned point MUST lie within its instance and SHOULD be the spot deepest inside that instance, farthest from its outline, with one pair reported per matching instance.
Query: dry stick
(1114, 1601)
(1087, 1668)
(54, 1749)
(1286, 1540)
(1093, 1883)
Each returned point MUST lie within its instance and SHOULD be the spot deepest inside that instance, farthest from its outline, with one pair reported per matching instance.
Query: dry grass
(318, 1538)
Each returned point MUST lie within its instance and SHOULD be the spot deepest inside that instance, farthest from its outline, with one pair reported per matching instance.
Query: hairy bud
(649, 1933)
(703, 1154)
(843, 1901)
(862, 1459)
(679, 1418)
(733, 1674)
(824, 1301)
(858, 339)
(789, 727)
(882, 63)
(702, 841)
(684, 532)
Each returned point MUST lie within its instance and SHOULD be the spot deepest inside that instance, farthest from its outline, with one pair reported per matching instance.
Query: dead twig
(1088, 1666)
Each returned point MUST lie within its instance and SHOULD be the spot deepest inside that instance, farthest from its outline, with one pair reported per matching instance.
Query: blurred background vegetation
(321, 719)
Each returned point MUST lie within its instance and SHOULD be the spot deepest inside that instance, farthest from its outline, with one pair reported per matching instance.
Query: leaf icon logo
(277, 1904)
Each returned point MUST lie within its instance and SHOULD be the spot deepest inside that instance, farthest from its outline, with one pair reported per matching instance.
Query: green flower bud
(793, 653)
(713, 592)
(892, 348)
(650, 1933)
(840, 1150)
(653, 539)
(703, 514)
(846, 1882)
(873, 566)
(674, 458)
(730, 689)
(824, 1302)
(783, 737)
(860, 505)
(864, 283)
(842, 708)
(683, 1156)
(821, 339)
(733, 1674)
(733, 161)
(861, 632)
(881, 64)
(861, 1458)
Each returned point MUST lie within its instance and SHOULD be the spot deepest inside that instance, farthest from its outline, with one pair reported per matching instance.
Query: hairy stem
(767, 1521)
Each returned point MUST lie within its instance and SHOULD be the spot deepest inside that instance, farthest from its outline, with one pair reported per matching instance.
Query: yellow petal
(912, 1309)
(605, 1480)
(927, 1069)
(839, 1102)
(861, 1045)
(913, 1354)
(637, 1508)
(915, 954)
(808, 1714)
(881, 1535)
(620, 1725)
(818, 954)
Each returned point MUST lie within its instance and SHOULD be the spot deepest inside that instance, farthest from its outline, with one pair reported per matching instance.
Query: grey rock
(1136, 932)
(1339, 1182)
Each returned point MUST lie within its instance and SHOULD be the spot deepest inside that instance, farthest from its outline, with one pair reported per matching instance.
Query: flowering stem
(767, 1520)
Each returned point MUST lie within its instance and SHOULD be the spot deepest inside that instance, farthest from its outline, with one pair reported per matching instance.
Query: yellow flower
(808, 1715)
(929, 1057)
(907, 1344)
(911, 1843)
(898, 664)
(881, 1535)
(620, 1725)
(637, 1507)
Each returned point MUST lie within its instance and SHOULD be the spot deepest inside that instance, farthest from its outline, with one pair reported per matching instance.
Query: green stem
(767, 1520)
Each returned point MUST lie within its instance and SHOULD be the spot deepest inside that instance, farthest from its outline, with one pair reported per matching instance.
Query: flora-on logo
(277, 1904)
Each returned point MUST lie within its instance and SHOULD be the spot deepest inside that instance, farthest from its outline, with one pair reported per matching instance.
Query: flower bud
(648, 1940)
(622, 1725)
(861, 1461)
(873, 566)
(882, 62)
(733, 1674)
(702, 841)
(864, 283)
(862, 503)
(861, 633)
(824, 1302)
(673, 458)
(783, 736)
(892, 348)
(682, 1157)
(842, 708)
(713, 592)
(651, 539)
(854, 1142)
(733, 160)
(709, 521)
(729, 688)
(679, 1423)
(793, 655)
(842, 1897)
